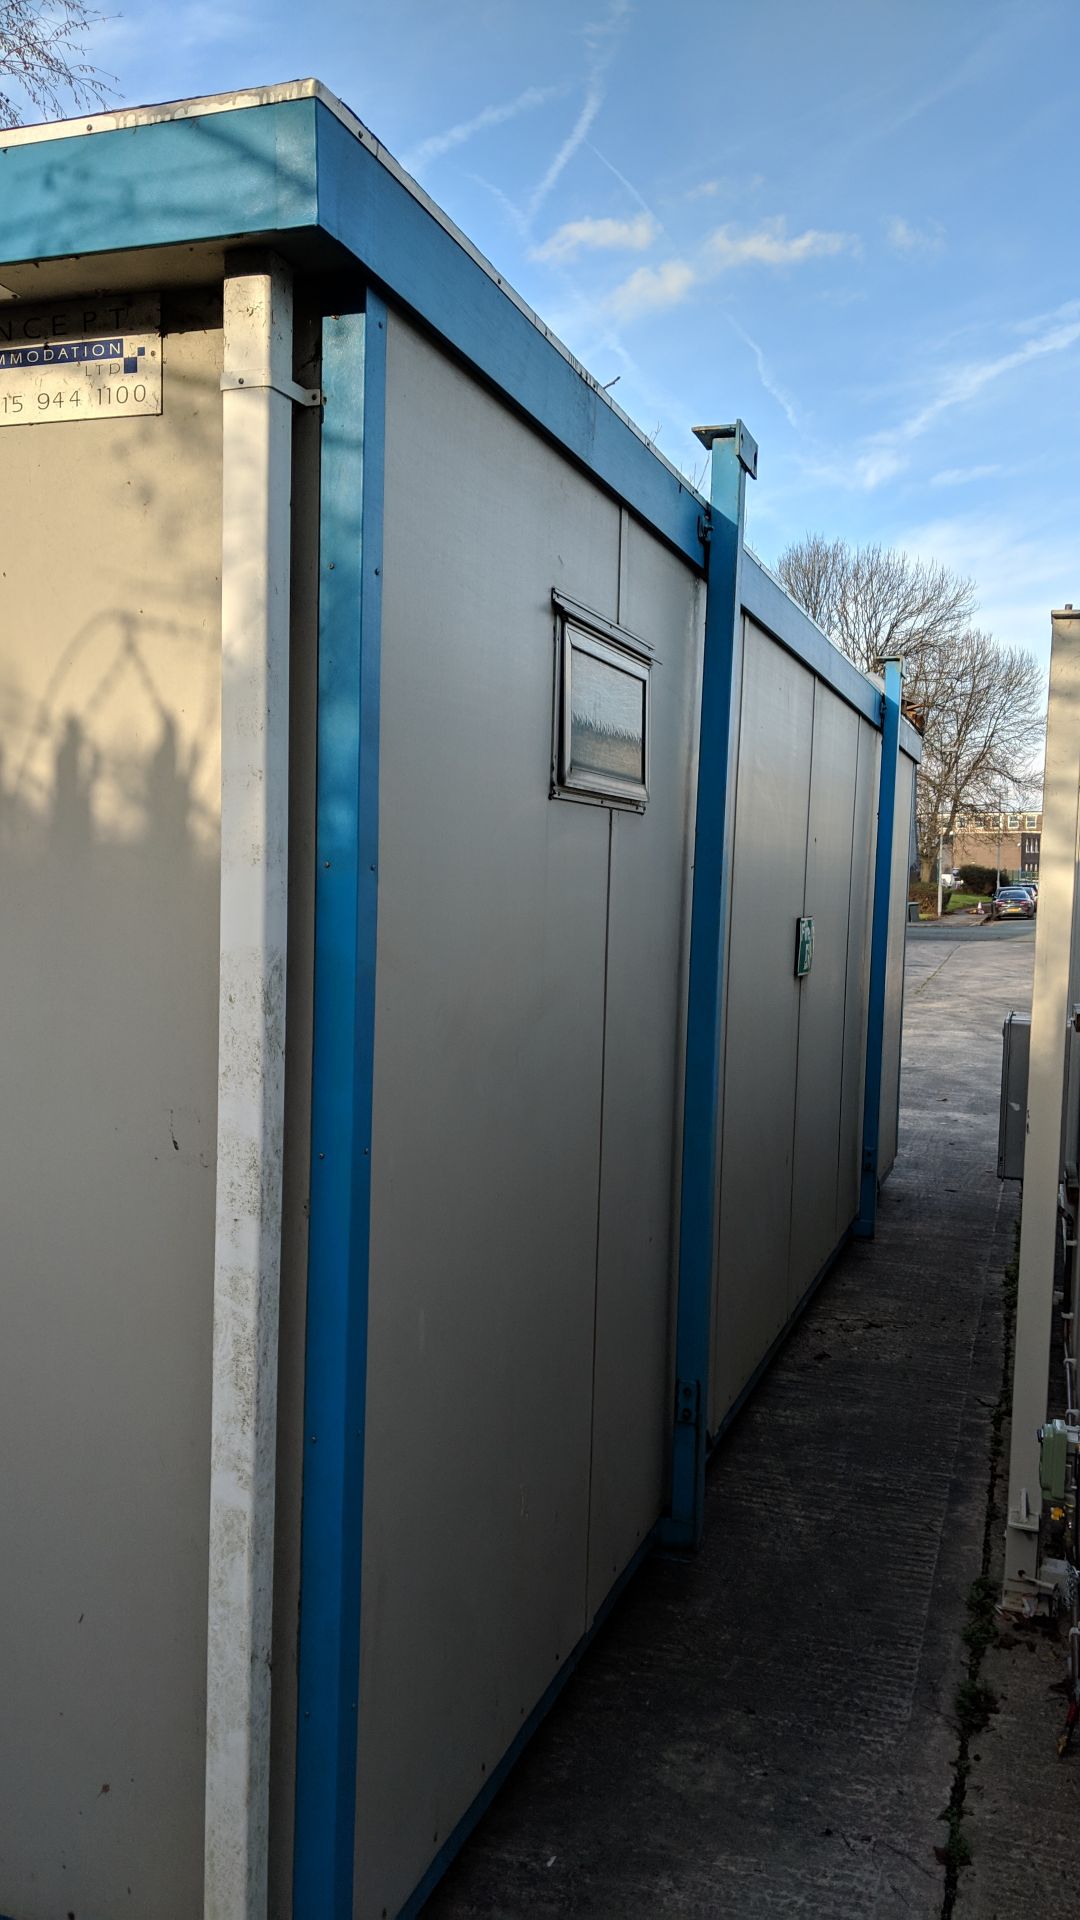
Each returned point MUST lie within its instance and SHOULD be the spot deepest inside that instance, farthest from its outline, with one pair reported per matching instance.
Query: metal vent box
(1012, 1121)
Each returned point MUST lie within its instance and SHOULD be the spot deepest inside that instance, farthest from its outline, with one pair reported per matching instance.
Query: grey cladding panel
(772, 801)
(109, 881)
(489, 1023)
(661, 601)
(858, 978)
(894, 979)
(822, 993)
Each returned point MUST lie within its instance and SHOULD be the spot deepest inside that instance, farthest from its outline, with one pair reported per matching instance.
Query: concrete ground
(769, 1728)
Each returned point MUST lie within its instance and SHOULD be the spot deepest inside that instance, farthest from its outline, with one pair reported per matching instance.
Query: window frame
(577, 629)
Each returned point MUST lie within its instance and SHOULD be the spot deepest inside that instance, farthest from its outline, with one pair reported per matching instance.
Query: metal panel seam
(599, 1221)
(879, 949)
(738, 697)
(708, 923)
(351, 494)
(847, 963)
(801, 982)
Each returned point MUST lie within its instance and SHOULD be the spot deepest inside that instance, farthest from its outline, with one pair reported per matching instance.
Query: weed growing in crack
(975, 1701)
(981, 1629)
(974, 1704)
(956, 1853)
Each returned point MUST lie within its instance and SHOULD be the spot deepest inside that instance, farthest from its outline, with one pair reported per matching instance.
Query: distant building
(1009, 841)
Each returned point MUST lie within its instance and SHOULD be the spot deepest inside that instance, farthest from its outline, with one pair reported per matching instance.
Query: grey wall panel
(109, 784)
(772, 801)
(649, 882)
(822, 993)
(489, 1026)
(864, 828)
(894, 979)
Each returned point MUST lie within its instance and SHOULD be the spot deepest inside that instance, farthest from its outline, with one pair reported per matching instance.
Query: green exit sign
(804, 947)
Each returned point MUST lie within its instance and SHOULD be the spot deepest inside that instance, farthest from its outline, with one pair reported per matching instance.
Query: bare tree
(877, 603)
(43, 59)
(980, 705)
(983, 719)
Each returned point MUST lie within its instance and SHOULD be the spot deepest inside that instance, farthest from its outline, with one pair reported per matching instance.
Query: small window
(603, 718)
(1031, 822)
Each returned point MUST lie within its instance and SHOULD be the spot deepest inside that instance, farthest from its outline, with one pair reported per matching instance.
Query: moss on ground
(975, 1700)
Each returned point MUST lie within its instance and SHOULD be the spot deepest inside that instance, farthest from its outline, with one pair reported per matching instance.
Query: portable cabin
(451, 934)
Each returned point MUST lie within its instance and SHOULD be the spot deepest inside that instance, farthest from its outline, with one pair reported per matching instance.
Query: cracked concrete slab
(767, 1729)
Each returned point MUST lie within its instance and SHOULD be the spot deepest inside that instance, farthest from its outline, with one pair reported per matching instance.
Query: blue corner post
(734, 456)
(879, 949)
(346, 894)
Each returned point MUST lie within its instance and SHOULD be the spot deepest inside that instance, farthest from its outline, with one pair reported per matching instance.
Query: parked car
(1010, 903)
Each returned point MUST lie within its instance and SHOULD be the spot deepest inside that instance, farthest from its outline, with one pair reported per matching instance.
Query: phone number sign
(91, 360)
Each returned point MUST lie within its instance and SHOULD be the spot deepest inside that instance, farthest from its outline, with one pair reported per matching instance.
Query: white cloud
(872, 469)
(651, 289)
(885, 454)
(967, 381)
(960, 476)
(495, 116)
(770, 245)
(905, 238)
(1037, 322)
(726, 184)
(588, 235)
(861, 473)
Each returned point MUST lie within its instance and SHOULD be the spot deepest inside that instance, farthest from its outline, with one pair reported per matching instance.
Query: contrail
(782, 399)
(495, 116)
(594, 100)
(623, 181)
(601, 38)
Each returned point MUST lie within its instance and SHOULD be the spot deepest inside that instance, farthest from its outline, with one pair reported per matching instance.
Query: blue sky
(852, 223)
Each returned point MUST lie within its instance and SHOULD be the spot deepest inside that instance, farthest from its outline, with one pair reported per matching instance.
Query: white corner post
(256, 529)
(1054, 992)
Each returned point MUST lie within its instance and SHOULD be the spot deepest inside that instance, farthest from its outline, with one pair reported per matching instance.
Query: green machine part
(1052, 1460)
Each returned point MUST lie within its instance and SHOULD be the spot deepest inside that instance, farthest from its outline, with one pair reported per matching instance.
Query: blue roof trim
(373, 214)
(293, 165)
(767, 603)
(209, 177)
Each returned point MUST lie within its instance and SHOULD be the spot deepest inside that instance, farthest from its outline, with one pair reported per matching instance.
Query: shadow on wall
(108, 1038)
(109, 884)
